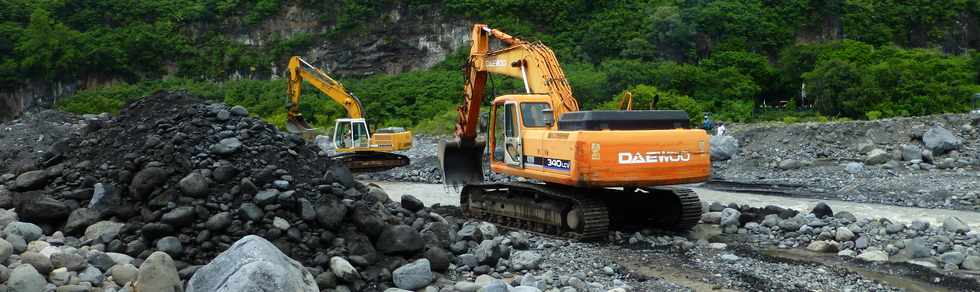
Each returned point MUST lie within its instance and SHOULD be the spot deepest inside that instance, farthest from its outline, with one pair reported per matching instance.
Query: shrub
(873, 115)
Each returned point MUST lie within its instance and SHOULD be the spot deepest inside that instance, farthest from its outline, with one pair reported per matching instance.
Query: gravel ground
(813, 160)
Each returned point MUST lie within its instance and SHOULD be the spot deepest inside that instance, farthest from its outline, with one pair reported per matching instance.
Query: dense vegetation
(856, 58)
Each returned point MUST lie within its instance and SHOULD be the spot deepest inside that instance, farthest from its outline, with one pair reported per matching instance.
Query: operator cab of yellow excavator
(351, 135)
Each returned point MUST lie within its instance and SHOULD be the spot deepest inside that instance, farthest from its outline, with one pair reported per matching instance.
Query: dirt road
(440, 194)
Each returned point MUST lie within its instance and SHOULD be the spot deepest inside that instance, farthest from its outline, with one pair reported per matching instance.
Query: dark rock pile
(173, 174)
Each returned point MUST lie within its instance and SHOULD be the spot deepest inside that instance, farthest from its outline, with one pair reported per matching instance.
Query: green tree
(832, 84)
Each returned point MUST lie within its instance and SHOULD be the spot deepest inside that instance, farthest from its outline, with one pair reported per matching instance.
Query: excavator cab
(350, 135)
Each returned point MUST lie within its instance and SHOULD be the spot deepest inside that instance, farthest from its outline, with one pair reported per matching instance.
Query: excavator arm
(533, 63)
(300, 70)
(627, 103)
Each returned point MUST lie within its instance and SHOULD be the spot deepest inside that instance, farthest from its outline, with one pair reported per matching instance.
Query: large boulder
(522, 259)
(226, 146)
(330, 212)
(28, 231)
(80, 219)
(252, 264)
(343, 269)
(158, 274)
(911, 152)
(877, 156)
(194, 185)
(147, 180)
(955, 225)
(723, 147)
(31, 180)
(939, 140)
(399, 239)
(37, 207)
(413, 276)
(24, 278)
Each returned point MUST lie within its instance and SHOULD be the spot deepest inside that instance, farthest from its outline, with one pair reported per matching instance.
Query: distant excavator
(356, 147)
(598, 169)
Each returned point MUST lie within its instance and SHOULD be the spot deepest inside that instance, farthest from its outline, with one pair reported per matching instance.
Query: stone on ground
(252, 264)
(413, 276)
(158, 274)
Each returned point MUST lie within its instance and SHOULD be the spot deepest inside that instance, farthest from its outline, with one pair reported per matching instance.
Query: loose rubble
(931, 161)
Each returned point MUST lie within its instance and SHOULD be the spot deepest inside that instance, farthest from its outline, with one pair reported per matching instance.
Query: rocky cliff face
(399, 41)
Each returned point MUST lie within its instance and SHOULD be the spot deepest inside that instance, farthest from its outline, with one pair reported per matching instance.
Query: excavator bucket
(462, 163)
(297, 125)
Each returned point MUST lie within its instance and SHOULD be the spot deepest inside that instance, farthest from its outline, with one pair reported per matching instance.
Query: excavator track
(543, 209)
(581, 214)
(370, 161)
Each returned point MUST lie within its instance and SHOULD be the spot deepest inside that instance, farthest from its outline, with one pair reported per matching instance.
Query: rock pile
(189, 179)
(931, 161)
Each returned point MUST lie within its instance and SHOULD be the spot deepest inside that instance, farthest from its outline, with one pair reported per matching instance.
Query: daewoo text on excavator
(598, 168)
(356, 147)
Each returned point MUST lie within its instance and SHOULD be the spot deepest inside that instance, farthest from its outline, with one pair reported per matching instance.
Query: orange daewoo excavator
(598, 168)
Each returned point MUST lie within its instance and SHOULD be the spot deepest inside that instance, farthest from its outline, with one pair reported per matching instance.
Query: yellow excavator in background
(598, 169)
(627, 103)
(356, 147)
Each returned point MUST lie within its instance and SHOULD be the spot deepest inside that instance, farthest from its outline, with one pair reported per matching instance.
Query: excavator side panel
(616, 158)
(388, 142)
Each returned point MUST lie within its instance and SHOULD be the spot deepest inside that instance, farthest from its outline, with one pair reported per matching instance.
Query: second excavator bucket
(462, 163)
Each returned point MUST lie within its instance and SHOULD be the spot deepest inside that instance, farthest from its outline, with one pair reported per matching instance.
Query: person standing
(721, 129)
(708, 124)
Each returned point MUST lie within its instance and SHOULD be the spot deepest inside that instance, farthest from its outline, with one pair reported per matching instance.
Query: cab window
(533, 114)
(498, 134)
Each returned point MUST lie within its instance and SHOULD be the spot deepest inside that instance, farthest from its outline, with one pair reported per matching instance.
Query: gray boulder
(146, 181)
(219, 222)
(723, 147)
(953, 258)
(102, 230)
(729, 220)
(413, 276)
(411, 203)
(877, 156)
(972, 263)
(343, 269)
(239, 111)
(170, 245)
(521, 260)
(158, 274)
(28, 231)
(918, 248)
(24, 278)
(854, 167)
(6, 250)
(330, 212)
(179, 217)
(81, 218)
(955, 225)
(194, 185)
(399, 239)
(911, 152)
(30, 180)
(226, 146)
(252, 264)
(940, 140)
(787, 164)
(123, 273)
(843, 234)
